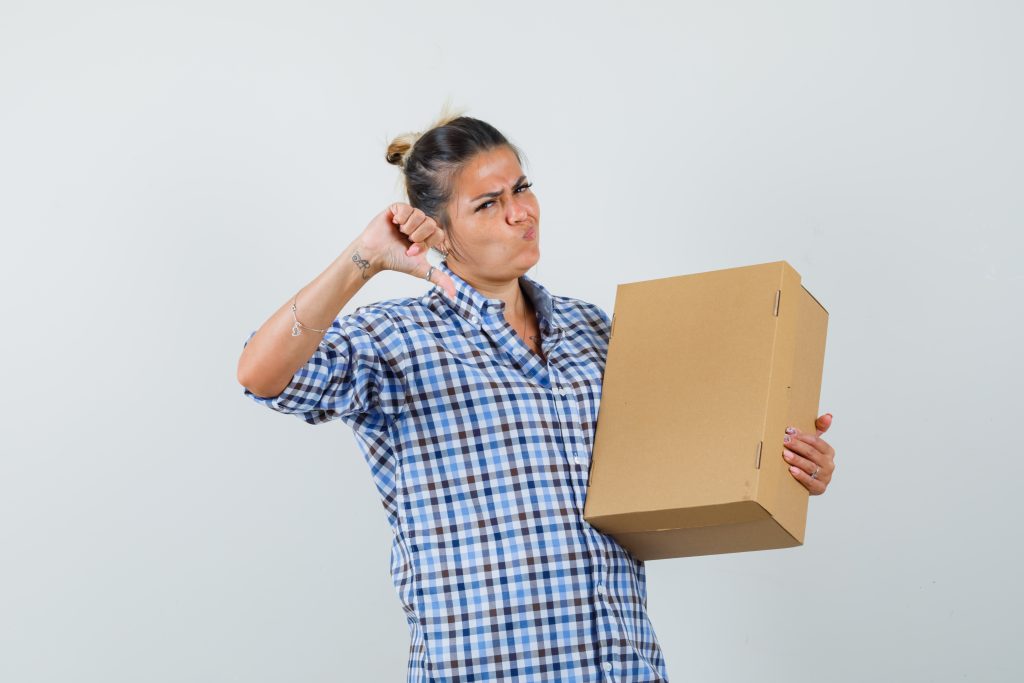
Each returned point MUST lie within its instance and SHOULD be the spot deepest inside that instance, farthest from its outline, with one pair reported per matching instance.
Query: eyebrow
(498, 193)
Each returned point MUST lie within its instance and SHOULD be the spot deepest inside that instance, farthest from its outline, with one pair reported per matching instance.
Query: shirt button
(600, 591)
(607, 666)
(576, 459)
(473, 319)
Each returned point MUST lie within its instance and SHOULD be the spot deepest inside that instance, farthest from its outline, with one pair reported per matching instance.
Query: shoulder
(388, 312)
(390, 323)
(580, 313)
(376, 330)
(581, 309)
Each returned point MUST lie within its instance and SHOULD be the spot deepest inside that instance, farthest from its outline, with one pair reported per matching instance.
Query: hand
(419, 227)
(392, 246)
(805, 453)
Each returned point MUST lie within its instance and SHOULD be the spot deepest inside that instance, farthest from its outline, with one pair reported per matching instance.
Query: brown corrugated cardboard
(704, 373)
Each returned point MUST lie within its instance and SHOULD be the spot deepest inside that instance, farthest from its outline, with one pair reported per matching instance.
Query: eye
(486, 204)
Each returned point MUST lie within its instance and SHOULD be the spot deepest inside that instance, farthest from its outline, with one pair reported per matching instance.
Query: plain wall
(172, 173)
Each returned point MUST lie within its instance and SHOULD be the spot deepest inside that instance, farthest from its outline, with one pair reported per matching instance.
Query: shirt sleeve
(355, 369)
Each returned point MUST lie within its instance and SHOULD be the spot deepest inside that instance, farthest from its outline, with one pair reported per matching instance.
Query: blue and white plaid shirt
(481, 451)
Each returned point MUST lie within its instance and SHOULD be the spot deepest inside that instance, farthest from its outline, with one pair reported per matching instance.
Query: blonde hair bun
(400, 147)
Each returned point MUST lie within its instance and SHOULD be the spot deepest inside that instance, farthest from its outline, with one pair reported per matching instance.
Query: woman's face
(495, 216)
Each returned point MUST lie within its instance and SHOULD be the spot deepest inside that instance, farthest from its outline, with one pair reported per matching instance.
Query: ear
(445, 246)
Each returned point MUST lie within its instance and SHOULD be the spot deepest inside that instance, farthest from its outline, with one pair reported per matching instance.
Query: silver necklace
(533, 338)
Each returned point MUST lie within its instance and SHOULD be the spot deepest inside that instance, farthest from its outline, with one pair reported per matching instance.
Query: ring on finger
(792, 457)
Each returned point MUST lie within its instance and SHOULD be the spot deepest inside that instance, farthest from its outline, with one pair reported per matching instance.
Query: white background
(171, 173)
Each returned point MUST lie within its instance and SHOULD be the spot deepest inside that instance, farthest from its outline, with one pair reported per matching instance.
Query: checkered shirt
(480, 452)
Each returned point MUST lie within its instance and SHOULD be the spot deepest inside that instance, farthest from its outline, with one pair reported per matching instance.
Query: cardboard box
(704, 373)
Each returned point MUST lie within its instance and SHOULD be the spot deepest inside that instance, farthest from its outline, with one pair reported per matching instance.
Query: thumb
(823, 423)
(439, 278)
(445, 283)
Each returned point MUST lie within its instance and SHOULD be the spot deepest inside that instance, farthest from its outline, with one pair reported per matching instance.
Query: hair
(431, 161)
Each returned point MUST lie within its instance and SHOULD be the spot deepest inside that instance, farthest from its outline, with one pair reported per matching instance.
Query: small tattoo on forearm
(363, 264)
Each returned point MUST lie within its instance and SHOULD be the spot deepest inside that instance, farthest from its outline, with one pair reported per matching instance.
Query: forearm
(272, 357)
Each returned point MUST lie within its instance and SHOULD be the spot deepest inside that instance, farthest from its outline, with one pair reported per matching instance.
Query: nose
(517, 212)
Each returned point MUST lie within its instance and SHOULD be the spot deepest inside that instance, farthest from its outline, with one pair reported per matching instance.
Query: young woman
(475, 406)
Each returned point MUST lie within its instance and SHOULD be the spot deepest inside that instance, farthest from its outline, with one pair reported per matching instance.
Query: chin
(529, 260)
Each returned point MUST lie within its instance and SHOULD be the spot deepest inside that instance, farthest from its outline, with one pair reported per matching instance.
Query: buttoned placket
(612, 633)
(567, 411)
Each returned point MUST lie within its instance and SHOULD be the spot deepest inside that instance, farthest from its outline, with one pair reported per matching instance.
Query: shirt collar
(475, 307)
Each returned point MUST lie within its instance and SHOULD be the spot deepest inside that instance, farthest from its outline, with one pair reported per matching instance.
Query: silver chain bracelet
(298, 327)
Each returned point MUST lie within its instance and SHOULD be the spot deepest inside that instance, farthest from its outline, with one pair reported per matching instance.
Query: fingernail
(785, 439)
(794, 469)
(790, 430)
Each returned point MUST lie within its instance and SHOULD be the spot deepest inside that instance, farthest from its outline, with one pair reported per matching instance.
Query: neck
(506, 290)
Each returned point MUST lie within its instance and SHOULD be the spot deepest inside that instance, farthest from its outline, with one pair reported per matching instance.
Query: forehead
(489, 171)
